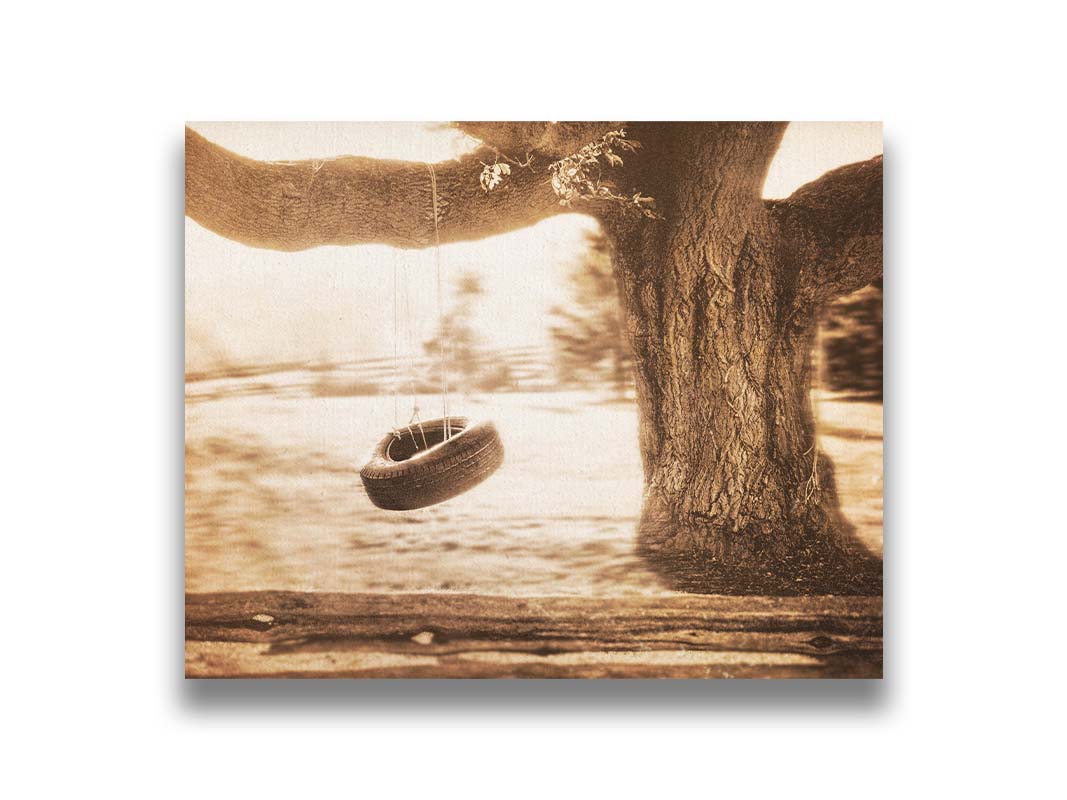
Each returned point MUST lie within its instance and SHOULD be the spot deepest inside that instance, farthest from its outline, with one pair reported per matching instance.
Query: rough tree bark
(295, 205)
(722, 297)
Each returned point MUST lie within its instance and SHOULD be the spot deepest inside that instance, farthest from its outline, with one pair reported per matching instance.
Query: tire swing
(424, 463)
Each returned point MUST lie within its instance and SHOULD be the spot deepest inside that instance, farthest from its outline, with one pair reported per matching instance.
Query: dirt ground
(274, 501)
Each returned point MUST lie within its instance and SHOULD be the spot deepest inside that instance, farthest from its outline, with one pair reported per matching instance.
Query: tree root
(819, 555)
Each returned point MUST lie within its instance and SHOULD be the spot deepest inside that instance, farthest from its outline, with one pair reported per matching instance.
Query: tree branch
(350, 200)
(832, 229)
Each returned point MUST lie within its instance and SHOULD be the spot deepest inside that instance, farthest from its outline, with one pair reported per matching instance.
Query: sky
(245, 305)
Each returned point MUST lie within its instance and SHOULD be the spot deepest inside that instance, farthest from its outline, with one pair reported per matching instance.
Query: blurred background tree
(852, 344)
(461, 347)
(589, 337)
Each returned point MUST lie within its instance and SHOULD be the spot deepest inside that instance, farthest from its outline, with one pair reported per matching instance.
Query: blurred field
(274, 501)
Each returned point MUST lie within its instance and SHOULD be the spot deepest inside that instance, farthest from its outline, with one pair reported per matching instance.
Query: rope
(396, 345)
(415, 418)
(412, 377)
(396, 363)
(440, 311)
(408, 336)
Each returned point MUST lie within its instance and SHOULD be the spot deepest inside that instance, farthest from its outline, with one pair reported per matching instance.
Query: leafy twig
(580, 176)
(493, 175)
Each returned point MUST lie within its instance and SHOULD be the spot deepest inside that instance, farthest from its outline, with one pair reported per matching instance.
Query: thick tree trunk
(738, 497)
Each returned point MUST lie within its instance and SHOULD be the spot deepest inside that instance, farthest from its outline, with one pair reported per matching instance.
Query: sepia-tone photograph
(484, 399)
(533, 400)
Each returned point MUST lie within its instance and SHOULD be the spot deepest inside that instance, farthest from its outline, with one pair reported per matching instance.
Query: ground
(274, 501)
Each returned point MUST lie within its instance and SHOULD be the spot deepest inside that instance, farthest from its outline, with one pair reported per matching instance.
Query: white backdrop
(91, 318)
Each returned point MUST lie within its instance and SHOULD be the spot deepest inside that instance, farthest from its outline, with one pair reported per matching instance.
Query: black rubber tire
(447, 468)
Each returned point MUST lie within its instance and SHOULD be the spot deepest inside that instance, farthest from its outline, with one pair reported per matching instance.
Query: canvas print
(533, 399)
